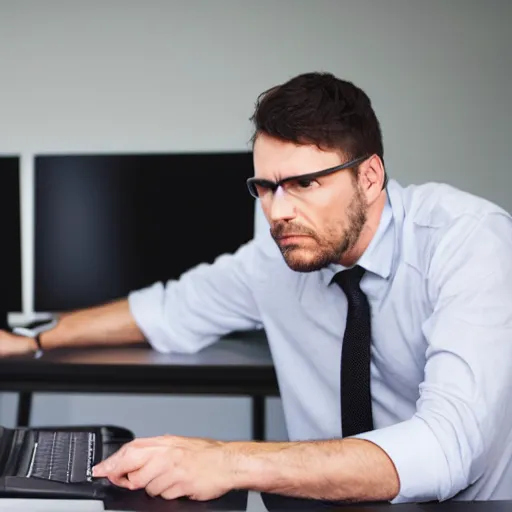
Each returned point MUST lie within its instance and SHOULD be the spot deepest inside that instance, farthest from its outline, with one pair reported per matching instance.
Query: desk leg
(258, 418)
(24, 406)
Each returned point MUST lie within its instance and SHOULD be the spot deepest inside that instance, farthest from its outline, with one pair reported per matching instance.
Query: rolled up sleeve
(464, 413)
(205, 303)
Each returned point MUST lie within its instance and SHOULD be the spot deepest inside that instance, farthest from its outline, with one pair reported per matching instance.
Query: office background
(183, 75)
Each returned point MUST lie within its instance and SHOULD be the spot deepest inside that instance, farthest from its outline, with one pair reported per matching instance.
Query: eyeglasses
(295, 185)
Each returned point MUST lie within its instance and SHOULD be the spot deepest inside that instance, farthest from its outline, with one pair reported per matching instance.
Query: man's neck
(368, 232)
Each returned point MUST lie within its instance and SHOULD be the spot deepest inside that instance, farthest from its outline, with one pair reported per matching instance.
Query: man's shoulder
(440, 205)
(442, 220)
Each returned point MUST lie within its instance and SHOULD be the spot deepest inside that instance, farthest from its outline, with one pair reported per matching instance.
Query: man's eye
(305, 183)
(300, 185)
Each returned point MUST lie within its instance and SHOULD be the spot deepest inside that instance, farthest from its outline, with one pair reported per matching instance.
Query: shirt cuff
(145, 306)
(418, 458)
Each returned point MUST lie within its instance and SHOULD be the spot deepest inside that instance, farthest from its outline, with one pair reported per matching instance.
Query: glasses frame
(272, 186)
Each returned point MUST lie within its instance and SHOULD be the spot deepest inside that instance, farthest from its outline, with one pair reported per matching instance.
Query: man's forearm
(110, 324)
(349, 469)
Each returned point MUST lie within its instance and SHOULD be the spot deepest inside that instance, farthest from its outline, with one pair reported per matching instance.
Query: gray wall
(178, 75)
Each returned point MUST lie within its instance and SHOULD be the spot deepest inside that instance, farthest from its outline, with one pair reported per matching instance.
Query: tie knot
(349, 279)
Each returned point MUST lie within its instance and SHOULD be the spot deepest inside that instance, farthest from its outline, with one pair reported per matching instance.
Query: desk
(237, 501)
(138, 501)
(239, 364)
(280, 503)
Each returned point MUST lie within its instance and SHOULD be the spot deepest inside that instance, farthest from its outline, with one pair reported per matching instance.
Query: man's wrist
(31, 343)
(39, 350)
(250, 464)
(35, 331)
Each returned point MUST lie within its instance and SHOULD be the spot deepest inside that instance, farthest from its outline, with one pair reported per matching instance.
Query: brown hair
(320, 109)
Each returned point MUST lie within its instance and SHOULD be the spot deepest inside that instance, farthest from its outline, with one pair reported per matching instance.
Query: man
(416, 280)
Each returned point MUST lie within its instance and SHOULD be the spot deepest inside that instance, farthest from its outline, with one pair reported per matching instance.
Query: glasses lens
(252, 189)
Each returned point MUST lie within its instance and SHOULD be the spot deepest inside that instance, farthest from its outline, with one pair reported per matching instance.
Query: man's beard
(325, 251)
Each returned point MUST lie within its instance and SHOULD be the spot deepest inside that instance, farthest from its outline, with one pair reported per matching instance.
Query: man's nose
(282, 207)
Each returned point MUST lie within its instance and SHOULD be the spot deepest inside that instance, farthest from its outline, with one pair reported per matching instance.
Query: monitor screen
(109, 224)
(10, 227)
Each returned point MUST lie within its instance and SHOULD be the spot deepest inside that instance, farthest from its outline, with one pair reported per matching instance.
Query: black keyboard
(56, 461)
(66, 457)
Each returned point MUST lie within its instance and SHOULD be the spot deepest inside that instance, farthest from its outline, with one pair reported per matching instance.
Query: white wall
(121, 75)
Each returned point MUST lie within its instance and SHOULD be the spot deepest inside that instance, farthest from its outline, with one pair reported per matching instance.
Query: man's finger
(141, 477)
(159, 484)
(173, 492)
(120, 481)
(126, 460)
(103, 468)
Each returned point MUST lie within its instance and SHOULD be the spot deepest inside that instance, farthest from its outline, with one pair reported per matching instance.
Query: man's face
(313, 222)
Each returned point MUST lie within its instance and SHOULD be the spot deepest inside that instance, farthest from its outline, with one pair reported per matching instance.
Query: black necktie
(356, 402)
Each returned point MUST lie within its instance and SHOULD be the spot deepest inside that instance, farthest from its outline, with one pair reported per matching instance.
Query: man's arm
(461, 424)
(203, 469)
(205, 303)
(182, 315)
(339, 470)
(109, 324)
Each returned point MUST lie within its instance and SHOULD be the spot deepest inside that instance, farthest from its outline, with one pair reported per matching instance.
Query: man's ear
(372, 177)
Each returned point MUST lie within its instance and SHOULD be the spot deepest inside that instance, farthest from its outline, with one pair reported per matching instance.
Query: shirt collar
(378, 257)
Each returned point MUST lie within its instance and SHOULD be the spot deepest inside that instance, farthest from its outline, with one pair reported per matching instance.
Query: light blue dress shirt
(439, 283)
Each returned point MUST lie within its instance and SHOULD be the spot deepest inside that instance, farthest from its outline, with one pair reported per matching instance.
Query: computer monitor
(10, 229)
(109, 224)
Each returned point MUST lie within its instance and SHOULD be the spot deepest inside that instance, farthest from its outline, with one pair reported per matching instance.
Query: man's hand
(171, 467)
(14, 345)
